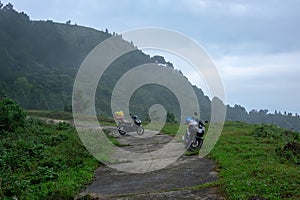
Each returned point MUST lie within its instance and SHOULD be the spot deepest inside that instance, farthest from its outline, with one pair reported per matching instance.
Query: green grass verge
(104, 120)
(50, 114)
(49, 162)
(43, 161)
(249, 165)
(251, 161)
(168, 128)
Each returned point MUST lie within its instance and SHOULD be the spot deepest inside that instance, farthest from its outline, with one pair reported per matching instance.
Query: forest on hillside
(39, 61)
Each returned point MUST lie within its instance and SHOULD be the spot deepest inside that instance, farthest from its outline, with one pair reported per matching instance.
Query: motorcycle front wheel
(140, 130)
(196, 144)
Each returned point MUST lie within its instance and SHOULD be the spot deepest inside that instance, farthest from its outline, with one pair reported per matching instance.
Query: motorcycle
(134, 126)
(193, 139)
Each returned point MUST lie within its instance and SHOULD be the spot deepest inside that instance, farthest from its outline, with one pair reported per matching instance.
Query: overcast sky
(255, 44)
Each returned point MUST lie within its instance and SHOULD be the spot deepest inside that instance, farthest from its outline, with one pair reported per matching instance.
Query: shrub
(267, 131)
(290, 151)
(12, 115)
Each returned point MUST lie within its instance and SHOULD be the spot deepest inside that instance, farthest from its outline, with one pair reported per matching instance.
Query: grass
(113, 140)
(62, 115)
(43, 161)
(251, 161)
(108, 121)
(171, 129)
(46, 161)
(249, 165)
(50, 114)
(167, 128)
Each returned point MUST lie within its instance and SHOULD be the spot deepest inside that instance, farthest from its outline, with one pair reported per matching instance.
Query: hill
(39, 61)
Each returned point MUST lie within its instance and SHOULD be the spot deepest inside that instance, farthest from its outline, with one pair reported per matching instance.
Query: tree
(159, 59)
(23, 84)
(8, 7)
(67, 107)
(171, 117)
(12, 115)
(3, 89)
(21, 90)
(263, 112)
(169, 64)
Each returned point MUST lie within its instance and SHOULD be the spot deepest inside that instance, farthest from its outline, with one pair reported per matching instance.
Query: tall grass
(249, 165)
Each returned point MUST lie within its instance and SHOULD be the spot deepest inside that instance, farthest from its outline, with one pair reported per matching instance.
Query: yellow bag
(119, 115)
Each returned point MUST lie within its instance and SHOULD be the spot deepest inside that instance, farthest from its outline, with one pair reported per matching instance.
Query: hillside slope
(39, 61)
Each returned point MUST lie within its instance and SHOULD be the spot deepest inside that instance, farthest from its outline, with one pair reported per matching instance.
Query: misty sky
(255, 44)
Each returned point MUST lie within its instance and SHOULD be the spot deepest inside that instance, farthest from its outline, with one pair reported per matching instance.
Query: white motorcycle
(193, 139)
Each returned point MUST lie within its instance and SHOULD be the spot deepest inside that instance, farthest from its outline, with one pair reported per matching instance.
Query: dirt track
(180, 180)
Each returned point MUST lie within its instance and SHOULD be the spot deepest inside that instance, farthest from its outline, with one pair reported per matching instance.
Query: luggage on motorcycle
(119, 115)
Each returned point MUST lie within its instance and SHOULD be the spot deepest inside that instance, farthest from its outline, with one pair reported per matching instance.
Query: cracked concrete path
(184, 178)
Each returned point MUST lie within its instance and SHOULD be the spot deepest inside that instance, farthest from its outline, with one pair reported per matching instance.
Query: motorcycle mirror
(206, 121)
(195, 113)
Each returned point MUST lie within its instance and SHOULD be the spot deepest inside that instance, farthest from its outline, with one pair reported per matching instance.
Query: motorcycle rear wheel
(121, 130)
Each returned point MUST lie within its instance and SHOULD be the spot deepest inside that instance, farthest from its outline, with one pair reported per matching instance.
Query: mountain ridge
(39, 61)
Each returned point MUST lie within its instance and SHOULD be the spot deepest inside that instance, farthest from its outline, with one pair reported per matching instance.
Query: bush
(268, 131)
(43, 161)
(171, 118)
(12, 115)
(290, 151)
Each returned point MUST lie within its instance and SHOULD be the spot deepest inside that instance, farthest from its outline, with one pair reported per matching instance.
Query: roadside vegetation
(255, 161)
(39, 160)
(62, 115)
(258, 161)
(47, 161)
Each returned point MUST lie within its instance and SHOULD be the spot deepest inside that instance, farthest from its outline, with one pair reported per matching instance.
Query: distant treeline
(263, 116)
(39, 61)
